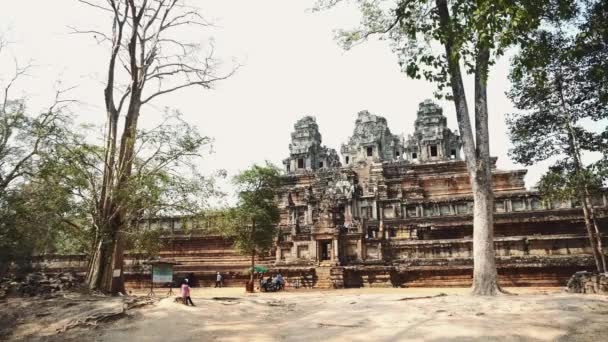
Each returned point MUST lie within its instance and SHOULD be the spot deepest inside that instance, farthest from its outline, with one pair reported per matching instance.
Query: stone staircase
(323, 278)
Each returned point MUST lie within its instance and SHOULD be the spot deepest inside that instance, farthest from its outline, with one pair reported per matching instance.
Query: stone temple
(397, 211)
(391, 211)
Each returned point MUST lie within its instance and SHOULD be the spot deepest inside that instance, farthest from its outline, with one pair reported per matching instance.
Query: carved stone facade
(372, 140)
(432, 139)
(306, 152)
(401, 213)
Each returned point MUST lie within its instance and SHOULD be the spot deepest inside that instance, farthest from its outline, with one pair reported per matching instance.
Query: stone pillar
(334, 250)
(308, 217)
(348, 215)
(374, 210)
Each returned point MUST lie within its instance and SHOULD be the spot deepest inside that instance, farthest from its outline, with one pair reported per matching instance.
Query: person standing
(280, 282)
(219, 280)
(186, 292)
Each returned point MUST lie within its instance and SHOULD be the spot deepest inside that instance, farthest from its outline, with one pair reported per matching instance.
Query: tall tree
(552, 87)
(165, 180)
(471, 33)
(28, 141)
(252, 224)
(147, 52)
(26, 138)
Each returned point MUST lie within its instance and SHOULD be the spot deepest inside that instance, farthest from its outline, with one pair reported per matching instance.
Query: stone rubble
(588, 282)
(37, 284)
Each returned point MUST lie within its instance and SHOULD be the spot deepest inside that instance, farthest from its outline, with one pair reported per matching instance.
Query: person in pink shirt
(186, 292)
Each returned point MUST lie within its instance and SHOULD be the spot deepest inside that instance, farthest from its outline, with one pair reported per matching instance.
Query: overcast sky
(291, 67)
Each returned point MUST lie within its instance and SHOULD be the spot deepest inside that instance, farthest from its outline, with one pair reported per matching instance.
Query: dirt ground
(340, 315)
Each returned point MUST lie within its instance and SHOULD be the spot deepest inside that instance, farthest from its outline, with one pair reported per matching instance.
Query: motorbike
(270, 286)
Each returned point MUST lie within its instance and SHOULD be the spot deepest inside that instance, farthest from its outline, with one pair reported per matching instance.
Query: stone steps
(323, 278)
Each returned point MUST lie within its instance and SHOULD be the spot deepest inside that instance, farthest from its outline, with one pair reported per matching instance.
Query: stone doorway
(325, 250)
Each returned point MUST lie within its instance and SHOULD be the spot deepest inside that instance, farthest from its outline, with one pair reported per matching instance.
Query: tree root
(425, 297)
(117, 313)
(491, 290)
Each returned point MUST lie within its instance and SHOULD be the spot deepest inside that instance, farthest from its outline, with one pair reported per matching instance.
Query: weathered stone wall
(588, 282)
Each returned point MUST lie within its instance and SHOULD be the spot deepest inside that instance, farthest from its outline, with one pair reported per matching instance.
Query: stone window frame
(431, 147)
(453, 153)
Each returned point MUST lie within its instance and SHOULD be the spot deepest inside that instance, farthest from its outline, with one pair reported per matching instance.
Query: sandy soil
(358, 315)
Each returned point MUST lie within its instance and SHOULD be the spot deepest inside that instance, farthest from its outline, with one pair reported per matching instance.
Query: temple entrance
(325, 249)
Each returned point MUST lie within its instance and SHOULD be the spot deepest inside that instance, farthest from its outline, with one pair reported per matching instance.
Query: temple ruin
(397, 212)
(392, 211)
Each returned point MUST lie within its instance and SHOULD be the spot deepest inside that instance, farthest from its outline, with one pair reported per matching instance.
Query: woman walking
(186, 292)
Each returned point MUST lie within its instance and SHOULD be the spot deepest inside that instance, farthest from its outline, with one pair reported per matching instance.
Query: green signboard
(162, 273)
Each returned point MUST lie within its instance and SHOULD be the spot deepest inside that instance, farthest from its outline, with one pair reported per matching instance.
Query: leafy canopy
(253, 222)
(415, 32)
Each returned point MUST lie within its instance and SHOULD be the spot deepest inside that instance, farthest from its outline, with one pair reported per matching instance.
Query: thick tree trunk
(477, 156)
(101, 266)
(105, 268)
(485, 275)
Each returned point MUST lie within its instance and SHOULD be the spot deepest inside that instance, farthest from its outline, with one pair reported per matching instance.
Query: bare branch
(95, 33)
(88, 3)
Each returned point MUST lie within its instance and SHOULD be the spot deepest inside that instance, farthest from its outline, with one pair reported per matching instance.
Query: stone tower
(432, 139)
(371, 140)
(306, 151)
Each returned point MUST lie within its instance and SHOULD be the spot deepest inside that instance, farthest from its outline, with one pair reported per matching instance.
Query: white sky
(292, 67)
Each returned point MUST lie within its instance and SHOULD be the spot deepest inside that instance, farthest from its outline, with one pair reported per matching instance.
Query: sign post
(162, 273)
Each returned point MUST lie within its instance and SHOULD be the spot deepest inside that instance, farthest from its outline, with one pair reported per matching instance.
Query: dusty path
(363, 315)
(369, 315)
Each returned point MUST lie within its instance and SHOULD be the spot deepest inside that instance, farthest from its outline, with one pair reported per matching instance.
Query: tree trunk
(119, 219)
(100, 271)
(252, 257)
(595, 238)
(251, 278)
(477, 157)
(485, 275)
(592, 236)
(598, 235)
(105, 268)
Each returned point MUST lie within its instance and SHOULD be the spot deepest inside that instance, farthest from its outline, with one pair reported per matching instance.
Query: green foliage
(252, 224)
(557, 99)
(52, 207)
(31, 206)
(165, 179)
(592, 48)
(561, 183)
(413, 28)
